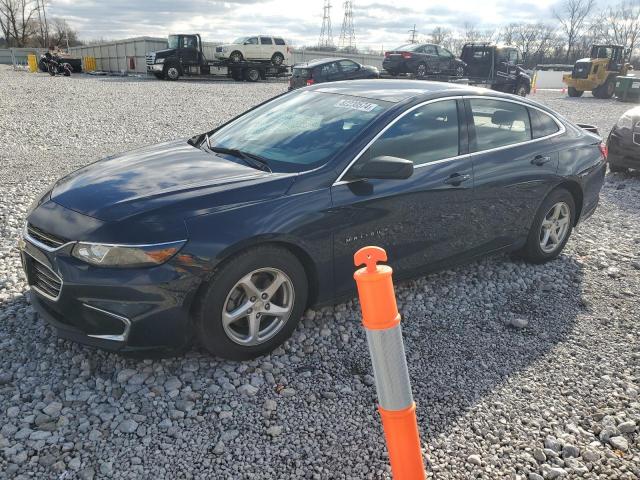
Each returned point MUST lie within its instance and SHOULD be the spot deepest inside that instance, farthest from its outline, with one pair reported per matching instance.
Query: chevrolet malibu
(228, 236)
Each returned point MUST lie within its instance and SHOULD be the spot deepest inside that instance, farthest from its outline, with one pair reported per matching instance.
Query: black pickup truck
(495, 67)
(185, 57)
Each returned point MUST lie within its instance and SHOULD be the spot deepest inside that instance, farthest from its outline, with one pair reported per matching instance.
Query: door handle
(540, 160)
(456, 179)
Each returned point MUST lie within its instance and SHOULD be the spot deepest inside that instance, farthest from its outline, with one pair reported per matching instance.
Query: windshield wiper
(255, 161)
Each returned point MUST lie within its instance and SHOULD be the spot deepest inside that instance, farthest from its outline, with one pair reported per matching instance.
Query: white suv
(259, 47)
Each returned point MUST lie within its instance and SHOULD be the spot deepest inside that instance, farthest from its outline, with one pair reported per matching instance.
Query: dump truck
(598, 72)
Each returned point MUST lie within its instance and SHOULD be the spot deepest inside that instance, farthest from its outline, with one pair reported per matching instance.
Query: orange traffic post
(381, 321)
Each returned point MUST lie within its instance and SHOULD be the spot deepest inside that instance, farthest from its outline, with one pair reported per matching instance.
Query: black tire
(52, 69)
(67, 70)
(171, 72)
(42, 65)
(158, 75)
(421, 70)
(252, 74)
(459, 71)
(573, 92)
(208, 315)
(236, 57)
(532, 250)
(617, 169)
(277, 59)
(521, 90)
(606, 90)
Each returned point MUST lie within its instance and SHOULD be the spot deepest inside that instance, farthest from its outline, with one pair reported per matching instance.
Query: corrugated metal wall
(114, 56)
(7, 55)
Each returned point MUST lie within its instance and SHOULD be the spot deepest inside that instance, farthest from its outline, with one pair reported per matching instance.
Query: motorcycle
(54, 65)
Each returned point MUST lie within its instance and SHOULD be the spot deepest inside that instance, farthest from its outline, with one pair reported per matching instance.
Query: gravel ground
(519, 371)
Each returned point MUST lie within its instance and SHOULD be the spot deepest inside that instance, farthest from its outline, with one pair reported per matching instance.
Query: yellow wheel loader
(598, 73)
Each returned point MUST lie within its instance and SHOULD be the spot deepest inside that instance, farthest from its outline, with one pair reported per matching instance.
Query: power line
(348, 33)
(326, 35)
(413, 32)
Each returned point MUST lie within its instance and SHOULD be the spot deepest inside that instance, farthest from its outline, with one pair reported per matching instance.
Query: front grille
(581, 70)
(43, 279)
(151, 58)
(51, 241)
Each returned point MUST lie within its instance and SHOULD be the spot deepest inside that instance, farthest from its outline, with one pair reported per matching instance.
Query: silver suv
(259, 47)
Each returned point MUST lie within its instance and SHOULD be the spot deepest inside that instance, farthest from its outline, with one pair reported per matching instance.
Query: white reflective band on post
(390, 368)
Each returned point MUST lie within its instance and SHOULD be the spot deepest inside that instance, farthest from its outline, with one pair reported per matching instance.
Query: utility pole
(348, 34)
(326, 35)
(413, 32)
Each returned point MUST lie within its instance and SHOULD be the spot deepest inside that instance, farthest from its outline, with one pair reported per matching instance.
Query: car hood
(165, 53)
(161, 179)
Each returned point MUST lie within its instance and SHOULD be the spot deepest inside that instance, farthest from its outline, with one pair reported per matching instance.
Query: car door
(189, 50)
(252, 49)
(422, 220)
(349, 69)
(445, 61)
(266, 48)
(431, 58)
(329, 72)
(514, 165)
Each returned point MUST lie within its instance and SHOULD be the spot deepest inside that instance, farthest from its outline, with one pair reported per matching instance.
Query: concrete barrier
(549, 79)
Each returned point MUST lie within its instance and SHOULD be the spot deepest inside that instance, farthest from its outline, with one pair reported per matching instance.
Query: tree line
(23, 23)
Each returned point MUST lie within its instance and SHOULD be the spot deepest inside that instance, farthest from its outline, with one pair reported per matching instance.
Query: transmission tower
(348, 33)
(413, 32)
(326, 35)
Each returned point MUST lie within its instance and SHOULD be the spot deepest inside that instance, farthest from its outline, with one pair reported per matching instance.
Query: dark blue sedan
(228, 236)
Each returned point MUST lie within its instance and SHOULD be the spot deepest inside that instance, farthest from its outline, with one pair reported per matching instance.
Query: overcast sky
(376, 22)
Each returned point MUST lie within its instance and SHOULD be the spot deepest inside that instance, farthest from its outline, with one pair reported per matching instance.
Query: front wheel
(236, 57)
(459, 72)
(253, 303)
(573, 92)
(551, 227)
(171, 72)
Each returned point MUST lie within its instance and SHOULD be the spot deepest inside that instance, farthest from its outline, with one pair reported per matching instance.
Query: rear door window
(430, 50)
(498, 123)
(542, 125)
(266, 41)
(348, 66)
(329, 69)
(426, 134)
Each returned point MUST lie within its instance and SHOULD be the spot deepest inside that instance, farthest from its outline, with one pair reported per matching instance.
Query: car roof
(319, 61)
(395, 91)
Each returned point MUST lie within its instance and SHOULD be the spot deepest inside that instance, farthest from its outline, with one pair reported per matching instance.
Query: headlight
(625, 121)
(159, 60)
(104, 255)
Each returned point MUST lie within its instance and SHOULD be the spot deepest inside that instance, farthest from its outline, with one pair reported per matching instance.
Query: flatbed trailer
(432, 78)
(187, 60)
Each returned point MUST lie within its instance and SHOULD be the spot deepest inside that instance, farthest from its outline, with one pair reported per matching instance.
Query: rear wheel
(606, 90)
(277, 59)
(551, 227)
(573, 92)
(253, 303)
(521, 90)
(52, 69)
(421, 70)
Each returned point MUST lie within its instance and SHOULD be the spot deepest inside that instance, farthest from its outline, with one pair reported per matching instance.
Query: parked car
(422, 59)
(232, 234)
(329, 70)
(624, 142)
(497, 67)
(258, 47)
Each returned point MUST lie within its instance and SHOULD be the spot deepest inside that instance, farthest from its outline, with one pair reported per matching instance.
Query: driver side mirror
(382, 168)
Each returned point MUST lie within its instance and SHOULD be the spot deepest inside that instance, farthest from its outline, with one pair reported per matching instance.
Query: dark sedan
(329, 70)
(624, 142)
(422, 59)
(230, 235)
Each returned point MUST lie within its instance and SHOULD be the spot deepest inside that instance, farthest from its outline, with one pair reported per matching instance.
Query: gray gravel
(519, 371)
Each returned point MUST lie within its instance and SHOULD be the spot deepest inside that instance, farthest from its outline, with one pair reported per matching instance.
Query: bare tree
(622, 23)
(572, 15)
(440, 35)
(18, 21)
(61, 34)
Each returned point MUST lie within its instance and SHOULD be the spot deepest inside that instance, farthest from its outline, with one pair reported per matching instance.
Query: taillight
(604, 150)
(407, 55)
(311, 81)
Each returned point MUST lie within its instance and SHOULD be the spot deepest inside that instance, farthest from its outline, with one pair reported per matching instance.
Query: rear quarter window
(279, 41)
(498, 123)
(542, 125)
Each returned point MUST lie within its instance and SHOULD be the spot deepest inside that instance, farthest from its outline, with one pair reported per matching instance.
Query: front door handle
(456, 179)
(540, 160)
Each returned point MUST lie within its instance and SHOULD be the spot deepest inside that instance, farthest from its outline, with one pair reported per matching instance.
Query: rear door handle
(540, 160)
(456, 179)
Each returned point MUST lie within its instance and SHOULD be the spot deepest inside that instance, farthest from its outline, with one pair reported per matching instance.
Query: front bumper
(117, 309)
(623, 151)
(155, 68)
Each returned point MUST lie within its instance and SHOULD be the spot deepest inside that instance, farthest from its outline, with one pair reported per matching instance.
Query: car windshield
(173, 41)
(409, 47)
(300, 130)
(239, 40)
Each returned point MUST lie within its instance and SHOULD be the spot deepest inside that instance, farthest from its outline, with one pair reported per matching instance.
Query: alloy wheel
(460, 71)
(421, 71)
(258, 306)
(554, 227)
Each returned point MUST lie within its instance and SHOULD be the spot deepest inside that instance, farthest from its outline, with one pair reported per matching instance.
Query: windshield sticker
(357, 105)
